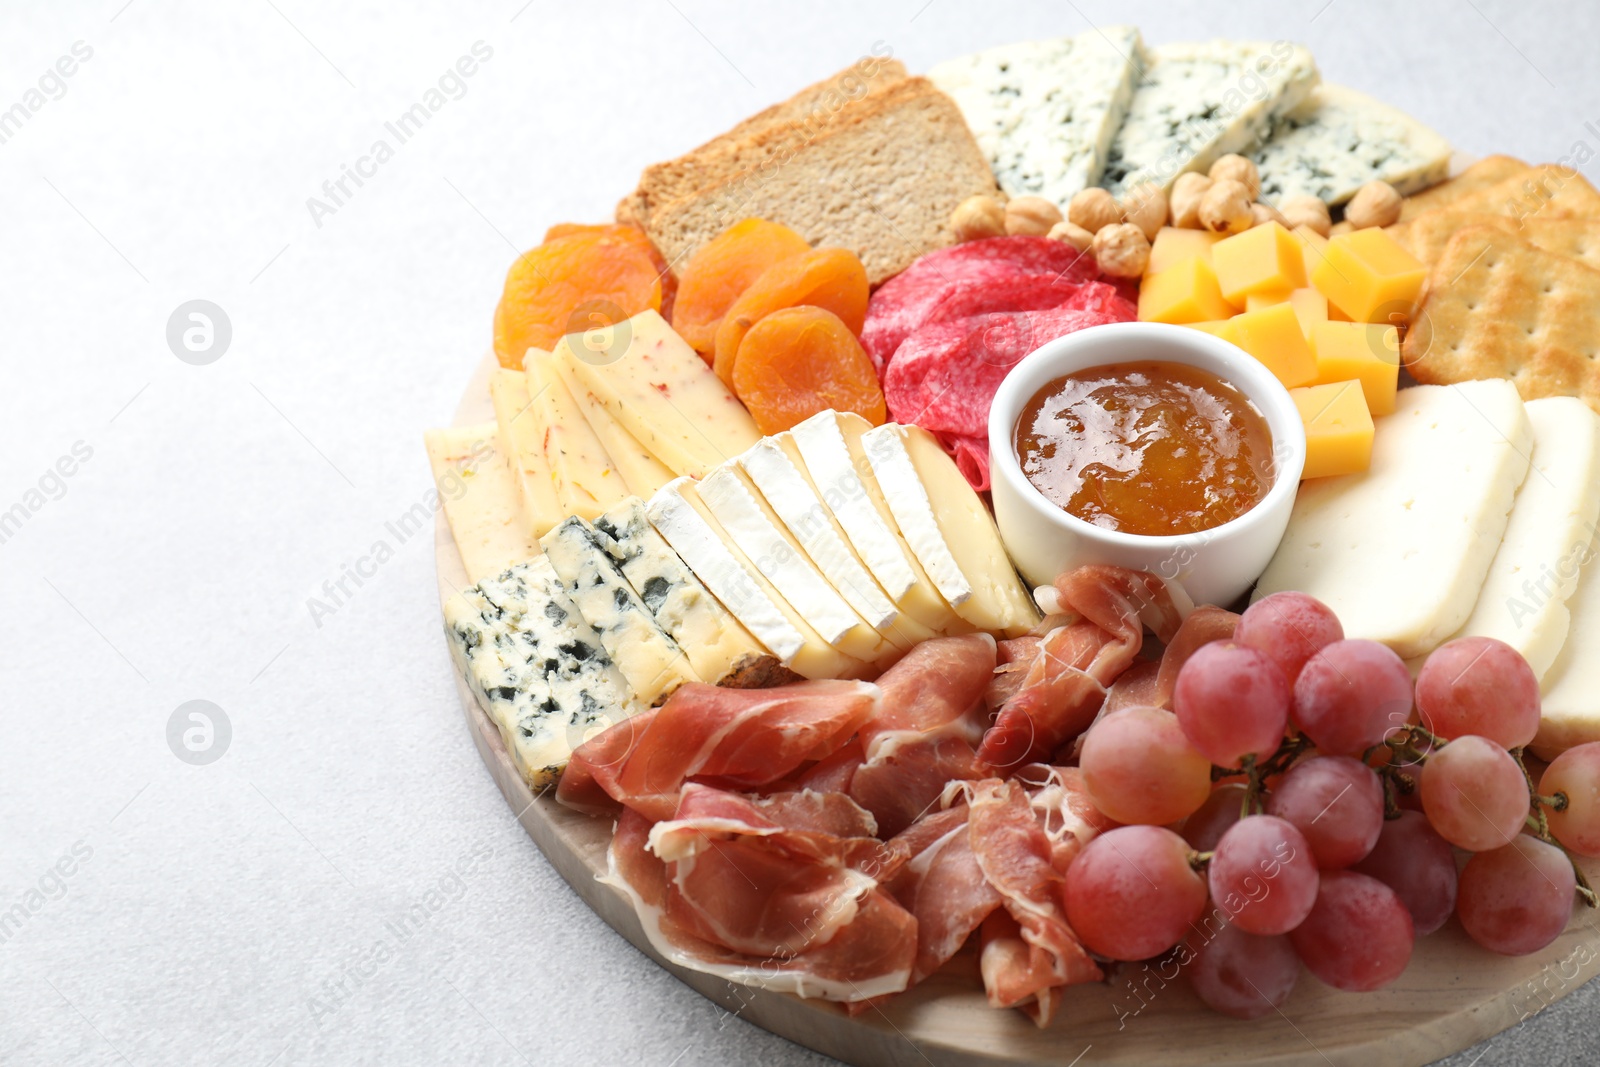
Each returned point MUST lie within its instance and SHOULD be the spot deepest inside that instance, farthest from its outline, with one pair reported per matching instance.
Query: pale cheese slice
(1400, 551)
(1535, 571)
(585, 479)
(1570, 711)
(689, 527)
(480, 499)
(658, 387)
(761, 536)
(641, 472)
(950, 529)
(522, 442)
(830, 445)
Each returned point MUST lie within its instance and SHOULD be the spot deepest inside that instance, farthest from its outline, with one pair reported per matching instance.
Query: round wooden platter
(1453, 995)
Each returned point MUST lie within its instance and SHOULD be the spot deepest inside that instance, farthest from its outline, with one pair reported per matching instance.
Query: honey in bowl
(1151, 448)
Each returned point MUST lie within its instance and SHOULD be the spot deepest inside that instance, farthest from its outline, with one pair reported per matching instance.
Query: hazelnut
(1240, 170)
(1226, 207)
(1121, 250)
(978, 216)
(1262, 213)
(1307, 211)
(1031, 216)
(1375, 204)
(1094, 209)
(1073, 234)
(1145, 206)
(1185, 199)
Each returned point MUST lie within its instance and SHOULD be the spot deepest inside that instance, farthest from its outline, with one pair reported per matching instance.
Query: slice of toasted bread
(1428, 233)
(1482, 174)
(882, 181)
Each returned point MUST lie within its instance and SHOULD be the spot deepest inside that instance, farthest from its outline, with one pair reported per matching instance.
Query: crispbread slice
(882, 181)
(1496, 306)
(1428, 233)
(1482, 174)
(1550, 190)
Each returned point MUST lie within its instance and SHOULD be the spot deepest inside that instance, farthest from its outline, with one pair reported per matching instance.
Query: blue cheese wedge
(1200, 101)
(1044, 112)
(715, 642)
(1339, 140)
(536, 667)
(643, 651)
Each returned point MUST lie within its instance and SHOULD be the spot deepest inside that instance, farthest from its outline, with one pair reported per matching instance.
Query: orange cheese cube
(1368, 353)
(1310, 307)
(1338, 428)
(1313, 248)
(1262, 259)
(1185, 293)
(1172, 246)
(1369, 277)
(1222, 328)
(1273, 335)
(1257, 301)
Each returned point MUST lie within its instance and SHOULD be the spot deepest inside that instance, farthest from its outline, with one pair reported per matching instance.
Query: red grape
(1221, 810)
(1474, 794)
(1140, 768)
(1576, 775)
(1352, 695)
(1336, 802)
(1131, 893)
(1358, 937)
(1414, 861)
(1517, 899)
(1477, 685)
(1289, 627)
(1244, 975)
(1232, 701)
(1263, 875)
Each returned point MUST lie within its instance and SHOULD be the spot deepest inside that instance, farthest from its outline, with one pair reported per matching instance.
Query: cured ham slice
(745, 738)
(943, 887)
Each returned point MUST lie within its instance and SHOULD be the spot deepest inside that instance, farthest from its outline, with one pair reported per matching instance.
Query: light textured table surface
(344, 884)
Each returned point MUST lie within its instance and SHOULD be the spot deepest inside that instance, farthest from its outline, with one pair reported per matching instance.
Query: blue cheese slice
(536, 667)
(1339, 140)
(1200, 101)
(715, 642)
(644, 653)
(1044, 112)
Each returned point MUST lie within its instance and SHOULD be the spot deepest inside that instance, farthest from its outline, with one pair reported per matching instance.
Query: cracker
(1578, 239)
(1482, 174)
(1549, 190)
(1496, 306)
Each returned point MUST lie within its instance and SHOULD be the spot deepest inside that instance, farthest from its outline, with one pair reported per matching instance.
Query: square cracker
(1482, 174)
(1496, 306)
(1429, 233)
(1549, 190)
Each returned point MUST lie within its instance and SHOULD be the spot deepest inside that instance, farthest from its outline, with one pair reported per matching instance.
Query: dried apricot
(548, 283)
(798, 361)
(635, 236)
(722, 270)
(831, 278)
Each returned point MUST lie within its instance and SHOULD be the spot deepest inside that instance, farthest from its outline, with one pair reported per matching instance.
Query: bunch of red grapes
(1321, 795)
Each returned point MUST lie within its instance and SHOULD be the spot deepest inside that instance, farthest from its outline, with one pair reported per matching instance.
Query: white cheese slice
(644, 653)
(1400, 551)
(715, 642)
(522, 443)
(760, 535)
(1044, 112)
(1535, 571)
(953, 529)
(1339, 140)
(585, 479)
(480, 499)
(641, 472)
(1570, 711)
(1200, 101)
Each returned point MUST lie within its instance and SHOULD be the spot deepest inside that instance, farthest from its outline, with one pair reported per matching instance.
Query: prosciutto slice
(943, 886)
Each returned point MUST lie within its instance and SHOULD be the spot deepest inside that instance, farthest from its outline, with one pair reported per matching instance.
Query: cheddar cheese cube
(1262, 259)
(1338, 428)
(1172, 246)
(1222, 328)
(1368, 353)
(1367, 275)
(1273, 335)
(1257, 301)
(1313, 248)
(1310, 307)
(1185, 293)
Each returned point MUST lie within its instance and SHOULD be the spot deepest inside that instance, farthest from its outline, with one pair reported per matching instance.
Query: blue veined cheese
(1198, 102)
(645, 654)
(1044, 112)
(536, 667)
(716, 644)
(1339, 140)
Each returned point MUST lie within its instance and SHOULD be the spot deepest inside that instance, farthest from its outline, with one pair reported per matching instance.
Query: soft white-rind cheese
(1570, 711)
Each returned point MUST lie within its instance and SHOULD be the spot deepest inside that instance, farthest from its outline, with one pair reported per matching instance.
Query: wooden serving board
(1453, 995)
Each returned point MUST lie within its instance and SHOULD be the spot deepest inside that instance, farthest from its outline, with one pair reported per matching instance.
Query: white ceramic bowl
(1216, 566)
